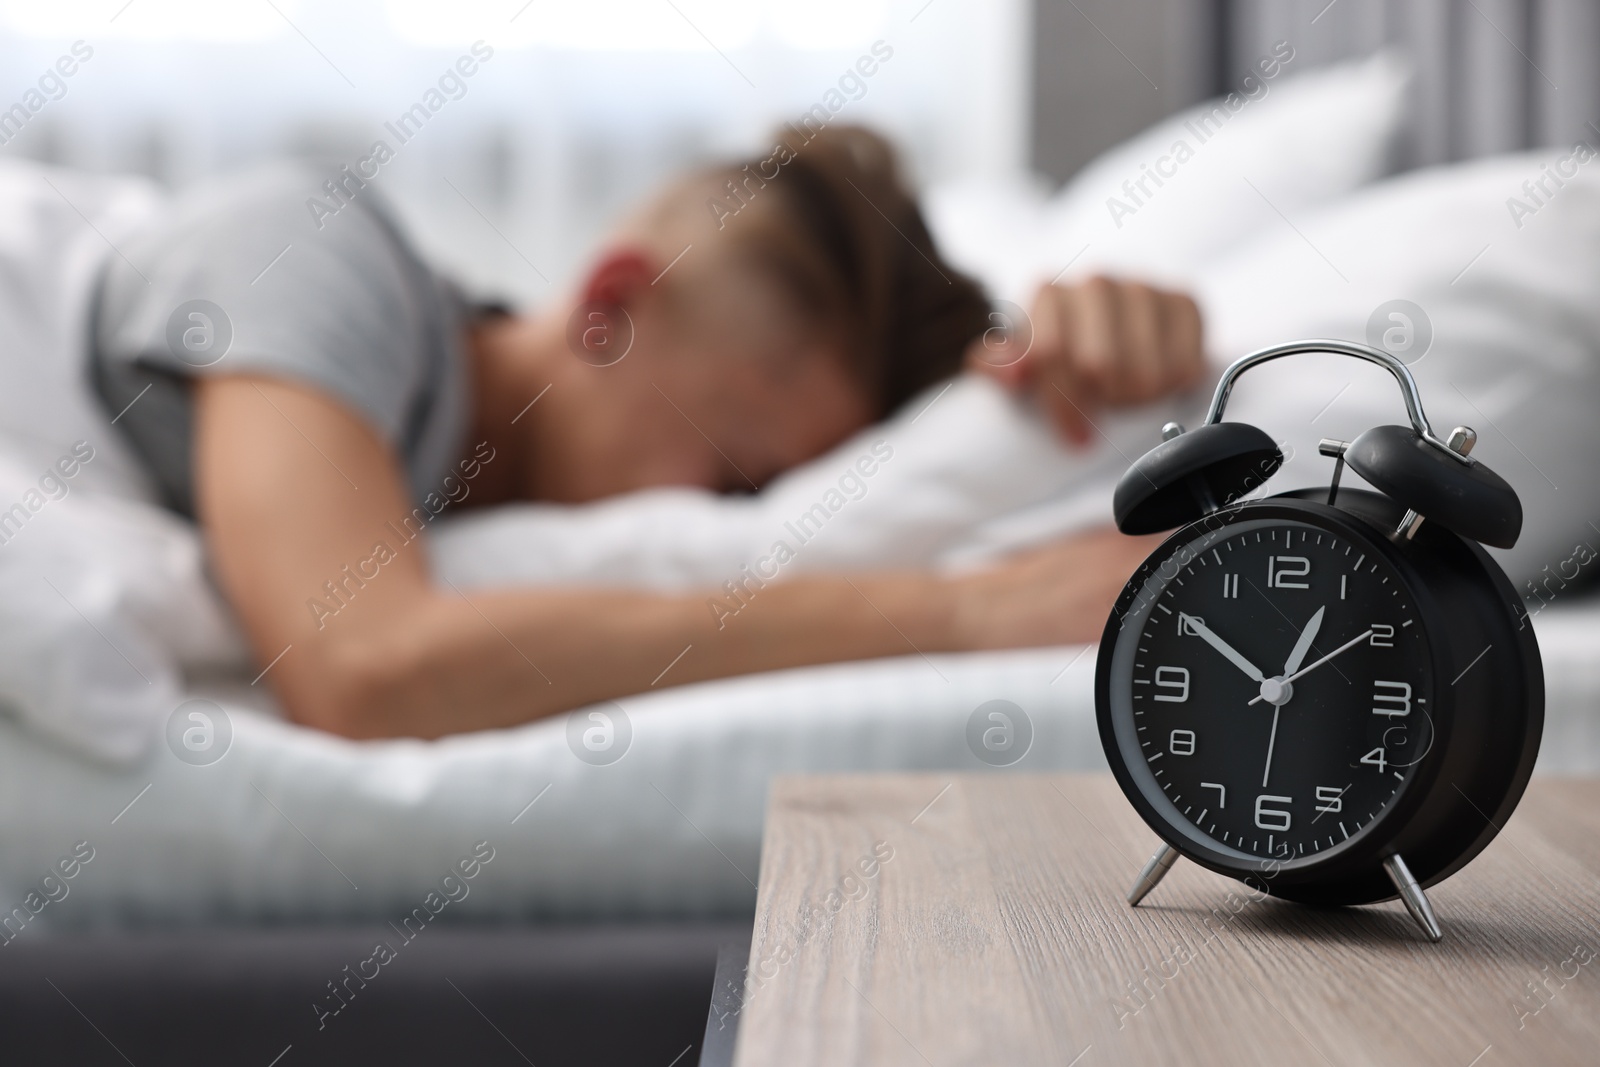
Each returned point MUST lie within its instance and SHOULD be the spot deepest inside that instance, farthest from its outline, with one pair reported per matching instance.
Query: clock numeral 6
(1395, 696)
(1175, 679)
(1270, 818)
(1181, 743)
(1281, 569)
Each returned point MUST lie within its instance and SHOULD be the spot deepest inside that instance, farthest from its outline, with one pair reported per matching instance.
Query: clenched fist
(1097, 345)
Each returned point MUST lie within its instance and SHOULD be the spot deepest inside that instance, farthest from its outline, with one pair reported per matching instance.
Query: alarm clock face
(1270, 688)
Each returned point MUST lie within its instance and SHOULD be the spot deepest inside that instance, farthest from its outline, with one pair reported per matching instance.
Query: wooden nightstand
(932, 920)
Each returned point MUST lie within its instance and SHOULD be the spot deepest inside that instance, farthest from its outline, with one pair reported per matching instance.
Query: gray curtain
(1492, 75)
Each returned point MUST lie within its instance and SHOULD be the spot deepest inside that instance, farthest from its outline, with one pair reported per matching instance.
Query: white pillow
(1302, 139)
(1514, 305)
(56, 230)
(101, 600)
(911, 492)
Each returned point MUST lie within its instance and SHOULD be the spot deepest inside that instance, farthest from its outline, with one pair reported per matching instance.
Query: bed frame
(591, 995)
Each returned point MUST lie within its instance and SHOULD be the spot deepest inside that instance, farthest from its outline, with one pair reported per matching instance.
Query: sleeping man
(299, 385)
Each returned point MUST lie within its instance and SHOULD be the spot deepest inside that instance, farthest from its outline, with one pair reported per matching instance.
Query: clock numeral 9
(1397, 699)
(1175, 679)
(1181, 743)
(1330, 799)
(1270, 818)
(1280, 569)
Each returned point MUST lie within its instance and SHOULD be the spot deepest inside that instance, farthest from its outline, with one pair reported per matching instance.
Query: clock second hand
(1272, 740)
(1303, 671)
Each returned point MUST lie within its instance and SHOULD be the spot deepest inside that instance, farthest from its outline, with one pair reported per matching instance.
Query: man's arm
(303, 503)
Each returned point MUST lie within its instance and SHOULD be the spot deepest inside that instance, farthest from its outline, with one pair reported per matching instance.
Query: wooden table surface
(933, 920)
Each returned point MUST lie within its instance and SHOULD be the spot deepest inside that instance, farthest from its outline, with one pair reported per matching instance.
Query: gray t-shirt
(245, 277)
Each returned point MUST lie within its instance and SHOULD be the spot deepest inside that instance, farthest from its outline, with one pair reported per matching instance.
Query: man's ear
(619, 276)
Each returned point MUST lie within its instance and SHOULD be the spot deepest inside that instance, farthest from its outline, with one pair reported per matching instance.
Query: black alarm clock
(1334, 696)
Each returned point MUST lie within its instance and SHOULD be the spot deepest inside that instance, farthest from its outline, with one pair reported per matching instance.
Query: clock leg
(1152, 874)
(1411, 893)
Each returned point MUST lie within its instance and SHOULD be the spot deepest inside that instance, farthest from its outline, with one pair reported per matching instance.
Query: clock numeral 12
(1280, 569)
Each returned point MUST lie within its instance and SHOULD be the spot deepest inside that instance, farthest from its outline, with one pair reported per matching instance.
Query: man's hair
(838, 227)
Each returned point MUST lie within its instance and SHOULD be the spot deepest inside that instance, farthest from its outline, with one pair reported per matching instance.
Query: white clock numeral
(1330, 799)
(1175, 678)
(1382, 635)
(1270, 818)
(1343, 578)
(1376, 758)
(1282, 568)
(1230, 586)
(1222, 793)
(1181, 743)
(1398, 701)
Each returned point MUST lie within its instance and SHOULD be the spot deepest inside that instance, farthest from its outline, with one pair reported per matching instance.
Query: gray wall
(1492, 75)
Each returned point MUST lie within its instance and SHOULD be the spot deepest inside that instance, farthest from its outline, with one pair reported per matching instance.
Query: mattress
(295, 825)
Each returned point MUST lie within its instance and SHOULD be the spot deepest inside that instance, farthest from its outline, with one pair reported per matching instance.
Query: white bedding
(104, 608)
(291, 824)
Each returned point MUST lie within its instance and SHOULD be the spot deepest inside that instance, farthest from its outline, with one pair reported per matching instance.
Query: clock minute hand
(1302, 645)
(1303, 671)
(1232, 654)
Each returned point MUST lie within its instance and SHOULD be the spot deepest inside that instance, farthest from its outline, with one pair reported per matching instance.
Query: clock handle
(1401, 373)
(1410, 892)
(1152, 874)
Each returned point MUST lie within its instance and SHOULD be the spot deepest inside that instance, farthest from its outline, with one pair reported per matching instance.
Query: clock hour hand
(1302, 645)
(1197, 627)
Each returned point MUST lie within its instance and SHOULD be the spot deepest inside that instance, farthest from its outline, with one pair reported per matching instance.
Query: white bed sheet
(296, 825)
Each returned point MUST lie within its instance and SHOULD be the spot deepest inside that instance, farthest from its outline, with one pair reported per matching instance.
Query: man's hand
(1096, 345)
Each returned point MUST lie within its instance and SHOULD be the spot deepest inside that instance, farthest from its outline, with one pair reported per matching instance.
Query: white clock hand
(1198, 627)
(1303, 671)
(1302, 645)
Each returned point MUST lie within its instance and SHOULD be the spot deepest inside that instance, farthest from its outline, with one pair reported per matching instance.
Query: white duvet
(106, 620)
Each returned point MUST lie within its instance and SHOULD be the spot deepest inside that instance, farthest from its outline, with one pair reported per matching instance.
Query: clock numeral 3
(1281, 569)
(1270, 818)
(1396, 701)
(1181, 743)
(1173, 678)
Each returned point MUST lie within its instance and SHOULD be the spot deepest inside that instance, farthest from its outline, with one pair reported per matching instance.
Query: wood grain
(996, 933)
